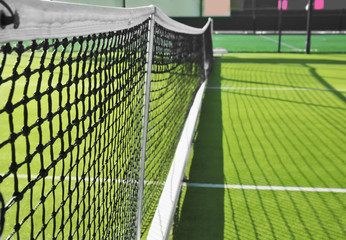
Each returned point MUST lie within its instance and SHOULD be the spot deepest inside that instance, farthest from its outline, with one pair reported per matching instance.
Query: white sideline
(272, 188)
(204, 185)
(161, 224)
(282, 43)
(280, 89)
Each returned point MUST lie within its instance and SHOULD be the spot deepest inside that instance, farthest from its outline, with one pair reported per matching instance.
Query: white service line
(272, 188)
(279, 89)
(282, 43)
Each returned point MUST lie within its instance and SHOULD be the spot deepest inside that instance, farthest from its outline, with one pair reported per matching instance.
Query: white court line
(282, 43)
(202, 185)
(272, 188)
(280, 89)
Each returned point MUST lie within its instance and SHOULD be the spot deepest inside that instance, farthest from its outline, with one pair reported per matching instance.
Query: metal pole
(211, 38)
(124, 3)
(280, 27)
(308, 26)
(145, 123)
(212, 31)
(254, 16)
(201, 8)
(205, 64)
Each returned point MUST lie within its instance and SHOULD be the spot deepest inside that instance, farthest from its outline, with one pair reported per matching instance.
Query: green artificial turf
(289, 43)
(243, 43)
(247, 214)
(269, 120)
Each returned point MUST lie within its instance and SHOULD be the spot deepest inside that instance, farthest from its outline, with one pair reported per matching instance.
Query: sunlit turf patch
(251, 214)
(256, 129)
(289, 43)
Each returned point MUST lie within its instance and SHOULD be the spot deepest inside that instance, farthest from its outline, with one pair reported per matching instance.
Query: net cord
(145, 123)
(46, 19)
(175, 26)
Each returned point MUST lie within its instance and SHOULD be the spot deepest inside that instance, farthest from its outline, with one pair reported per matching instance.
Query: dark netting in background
(71, 116)
(177, 73)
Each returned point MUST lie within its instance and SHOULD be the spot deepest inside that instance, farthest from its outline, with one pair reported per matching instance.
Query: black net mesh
(71, 129)
(177, 72)
(71, 120)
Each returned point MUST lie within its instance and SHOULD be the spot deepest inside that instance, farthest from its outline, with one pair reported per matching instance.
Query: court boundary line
(270, 188)
(282, 43)
(192, 184)
(279, 89)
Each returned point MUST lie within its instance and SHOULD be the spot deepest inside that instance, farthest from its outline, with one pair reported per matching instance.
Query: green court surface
(289, 43)
(268, 120)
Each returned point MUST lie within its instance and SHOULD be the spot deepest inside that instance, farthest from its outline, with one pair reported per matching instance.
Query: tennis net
(93, 103)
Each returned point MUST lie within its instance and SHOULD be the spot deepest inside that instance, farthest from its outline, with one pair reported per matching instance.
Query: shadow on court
(302, 61)
(204, 204)
(270, 138)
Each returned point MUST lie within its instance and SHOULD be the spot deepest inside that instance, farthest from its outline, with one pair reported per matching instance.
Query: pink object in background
(217, 8)
(284, 4)
(319, 4)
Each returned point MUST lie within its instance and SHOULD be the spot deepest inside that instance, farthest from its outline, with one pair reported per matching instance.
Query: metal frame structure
(145, 122)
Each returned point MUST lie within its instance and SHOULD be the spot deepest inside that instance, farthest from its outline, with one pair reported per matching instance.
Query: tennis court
(268, 159)
(98, 112)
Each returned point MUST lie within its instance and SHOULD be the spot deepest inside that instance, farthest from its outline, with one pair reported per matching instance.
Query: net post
(211, 30)
(211, 38)
(206, 67)
(201, 8)
(204, 57)
(280, 27)
(145, 123)
(311, 4)
(253, 6)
